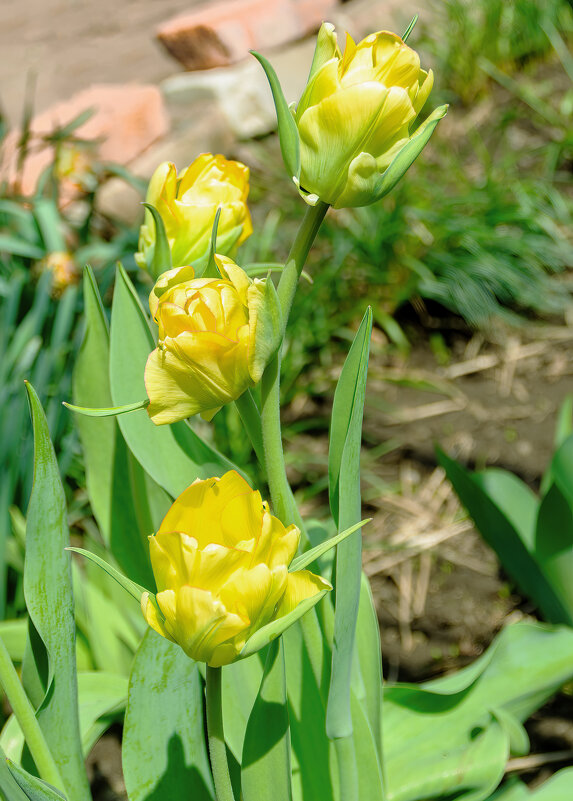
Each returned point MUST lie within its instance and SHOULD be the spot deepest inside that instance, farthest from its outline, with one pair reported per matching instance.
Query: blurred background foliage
(480, 231)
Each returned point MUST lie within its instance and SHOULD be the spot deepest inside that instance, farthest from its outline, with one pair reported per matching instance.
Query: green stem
(347, 768)
(306, 234)
(284, 504)
(216, 737)
(26, 717)
(251, 418)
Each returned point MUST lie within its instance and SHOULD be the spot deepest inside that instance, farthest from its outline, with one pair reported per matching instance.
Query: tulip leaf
(113, 477)
(288, 132)
(173, 455)
(268, 327)
(410, 28)
(309, 556)
(135, 590)
(275, 628)
(33, 788)
(161, 259)
(345, 503)
(408, 154)
(505, 513)
(111, 411)
(164, 754)
(49, 599)
(9, 789)
(211, 269)
(266, 751)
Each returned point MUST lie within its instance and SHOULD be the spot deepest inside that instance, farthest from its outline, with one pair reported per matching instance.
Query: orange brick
(126, 120)
(219, 34)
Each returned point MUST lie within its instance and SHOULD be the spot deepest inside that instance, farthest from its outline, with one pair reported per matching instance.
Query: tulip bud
(220, 561)
(216, 336)
(188, 204)
(348, 142)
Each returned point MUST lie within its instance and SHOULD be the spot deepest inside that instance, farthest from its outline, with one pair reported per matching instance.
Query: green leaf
(300, 562)
(135, 590)
(9, 789)
(563, 430)
(266, 751)
(505, 512)
(408, 154)
(164, 753)
(161, 260)
(49, 221)
(19, 247)
(288, 132)
(48, 593)
(110, 411)
(554, 544)
(410, 28)
(370, 784)
(33, 788)
(111, 471)
(275, 628)
(314, 761)
(211, 270)
(369, 659)
(345, 504)
(460, 747)
(102, 697)
(174, 456)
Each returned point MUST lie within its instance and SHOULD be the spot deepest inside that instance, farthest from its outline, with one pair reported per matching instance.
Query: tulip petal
(333, 132)
(265, 326)
(203, 623)
(301, 585)
(326, 49)
(152, 618)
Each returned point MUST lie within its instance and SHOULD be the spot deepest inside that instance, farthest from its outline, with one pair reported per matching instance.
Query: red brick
(218, 34)
(126, 120)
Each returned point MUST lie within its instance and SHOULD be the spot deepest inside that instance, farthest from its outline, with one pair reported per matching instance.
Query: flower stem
(26, 717)
(282, 497)
(216, 737)
(251, 419)
(306, 234)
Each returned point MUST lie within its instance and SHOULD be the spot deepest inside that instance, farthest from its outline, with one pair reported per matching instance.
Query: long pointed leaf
(266, 751)
(48, 592)
(33, 788)
(345, 502)
(288, 132)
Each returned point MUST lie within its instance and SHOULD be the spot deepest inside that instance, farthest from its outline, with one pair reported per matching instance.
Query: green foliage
(506, 32)
(533, 536)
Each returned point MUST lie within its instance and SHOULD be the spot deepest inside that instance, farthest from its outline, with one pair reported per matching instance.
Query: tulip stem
(26, 717)
(251, 419)
(216, 736)
(305, 236)
(282, 497)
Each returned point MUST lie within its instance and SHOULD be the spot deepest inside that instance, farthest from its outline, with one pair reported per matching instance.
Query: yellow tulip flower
(188, 204)
(216, 336)
(355, 114)
(220, 561)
